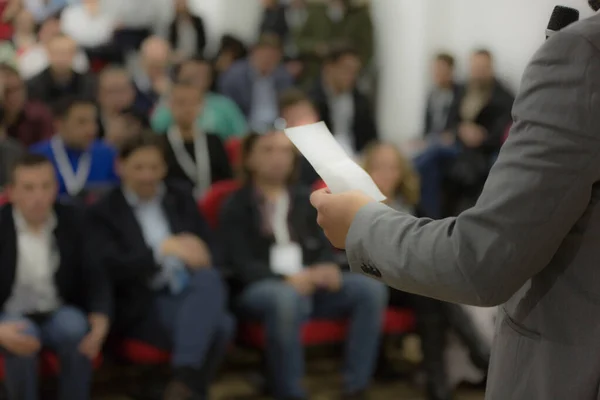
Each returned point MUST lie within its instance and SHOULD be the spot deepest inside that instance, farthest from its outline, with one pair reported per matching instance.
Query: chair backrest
(320, 184)
(233, 146)
(210, 204)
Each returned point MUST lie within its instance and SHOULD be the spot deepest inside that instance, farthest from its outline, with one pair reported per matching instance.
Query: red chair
(3, 199)
(138, 352)
(322, 332)
(320, 184)
(233, 146)
(210, 204)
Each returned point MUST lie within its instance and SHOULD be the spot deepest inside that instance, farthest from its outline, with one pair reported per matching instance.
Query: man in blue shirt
(81, 161)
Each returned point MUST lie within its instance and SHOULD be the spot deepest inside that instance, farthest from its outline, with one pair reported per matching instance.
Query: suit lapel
(131, 227)
(170, 208)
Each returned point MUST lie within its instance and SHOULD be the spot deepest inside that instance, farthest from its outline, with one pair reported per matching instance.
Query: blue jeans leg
(63, 332)
(21, 371)
(363, 300)
(282, 310)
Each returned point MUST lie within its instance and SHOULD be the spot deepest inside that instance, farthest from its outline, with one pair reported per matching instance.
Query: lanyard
(280, 219)
(197, 171)
(74, 180)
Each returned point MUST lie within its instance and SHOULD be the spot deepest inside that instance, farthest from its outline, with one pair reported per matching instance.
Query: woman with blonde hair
(393, 173)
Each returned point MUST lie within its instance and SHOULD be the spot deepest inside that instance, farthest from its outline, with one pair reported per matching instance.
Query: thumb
(319, 197)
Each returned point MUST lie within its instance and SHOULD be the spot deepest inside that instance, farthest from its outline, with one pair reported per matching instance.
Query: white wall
(411, 31)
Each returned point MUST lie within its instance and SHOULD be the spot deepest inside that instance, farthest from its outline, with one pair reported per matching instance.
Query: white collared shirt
(34, 290)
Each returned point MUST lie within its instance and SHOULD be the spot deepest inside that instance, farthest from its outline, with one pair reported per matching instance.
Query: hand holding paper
(329, 160)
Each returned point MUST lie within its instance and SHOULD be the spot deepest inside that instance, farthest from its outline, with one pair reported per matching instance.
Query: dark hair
(446, 58)
(232, 44)
(247, 147)
(64, 105)
(27, 160)
(483, 52)
(197, 59)
(292, 97)
(339, 51)
(142, 141)
(269, 40)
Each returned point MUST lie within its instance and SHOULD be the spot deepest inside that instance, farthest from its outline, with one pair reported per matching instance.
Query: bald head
(155, 53)
(61, 52)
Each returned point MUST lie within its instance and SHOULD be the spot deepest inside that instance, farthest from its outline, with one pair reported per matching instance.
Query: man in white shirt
(53, 294)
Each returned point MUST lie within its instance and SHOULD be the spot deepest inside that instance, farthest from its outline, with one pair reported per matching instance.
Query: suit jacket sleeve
(99, 289)
(537, 190)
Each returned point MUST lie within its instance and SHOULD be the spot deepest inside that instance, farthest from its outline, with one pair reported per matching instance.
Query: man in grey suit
(531, 243)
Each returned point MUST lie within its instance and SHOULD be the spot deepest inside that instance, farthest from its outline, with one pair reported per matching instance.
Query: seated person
(193, 156)
(156, 249)
(60, 78)
(54, 293)
(10, 150)
(282, 272)
(397, 180)
(218, 114)
(81, 161)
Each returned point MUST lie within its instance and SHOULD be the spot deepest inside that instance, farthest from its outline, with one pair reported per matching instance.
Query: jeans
(432, 165)
(61, 332)
(283, 311)
(194, 325)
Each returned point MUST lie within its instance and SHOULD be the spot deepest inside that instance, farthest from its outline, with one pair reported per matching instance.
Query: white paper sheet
(329, 160)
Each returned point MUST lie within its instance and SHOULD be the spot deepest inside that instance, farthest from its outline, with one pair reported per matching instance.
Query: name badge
(286, 259)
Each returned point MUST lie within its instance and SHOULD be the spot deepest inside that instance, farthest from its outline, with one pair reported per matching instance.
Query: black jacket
(126, 256)
(200, 34)
(364, 129)
(219, 161)
(42, 87)
(80, 279)
(247, 247)
(452, 112)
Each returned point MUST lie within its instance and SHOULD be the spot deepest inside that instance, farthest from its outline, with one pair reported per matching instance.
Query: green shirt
(220, 116)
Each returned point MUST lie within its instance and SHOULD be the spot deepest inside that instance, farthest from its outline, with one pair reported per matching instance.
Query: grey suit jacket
(531, 243)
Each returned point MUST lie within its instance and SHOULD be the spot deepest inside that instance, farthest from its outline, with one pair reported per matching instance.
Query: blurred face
(300, 114)
(344, 73)
(386, 169)
(61, 51)
(265, 59)
(443, 73)
(79, 128)
(143, 171)
(116, 92)
(482, 70)
(155, 59)
(24, 23)
(272, 159)
(49, 29)
(180, 6)
(185, 103)
(198, 74)
(33, 192)
(15, 93)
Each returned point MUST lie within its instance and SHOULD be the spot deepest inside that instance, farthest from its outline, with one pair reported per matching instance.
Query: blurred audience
(60, 79)
(194, 157)
(152, 81)
(8, 11)
(231, 49)
(443, 100)
(186, 33)
(25, 120)
(81, 161)
(116, 94)
(218, 114)
(33, 60)
(255, 83)
(54, 291)
(283, 271)
(10, 149)
(346, 111)
(24, 36)
(157, 249)
(42, 10)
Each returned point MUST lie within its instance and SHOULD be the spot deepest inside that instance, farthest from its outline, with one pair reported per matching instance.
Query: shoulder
(237, 201)
(102, 149)
(41, 148)
(6, 216)
(69, 215)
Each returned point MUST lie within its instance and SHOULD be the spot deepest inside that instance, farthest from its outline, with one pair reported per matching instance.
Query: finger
(318, 197)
